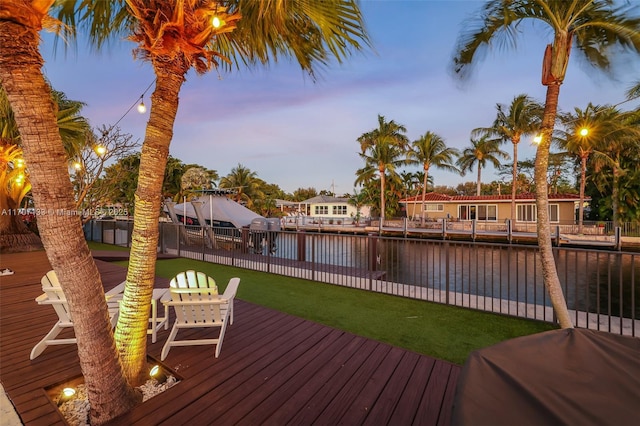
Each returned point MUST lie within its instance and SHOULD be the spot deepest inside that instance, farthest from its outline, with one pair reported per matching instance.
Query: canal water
(599, 281)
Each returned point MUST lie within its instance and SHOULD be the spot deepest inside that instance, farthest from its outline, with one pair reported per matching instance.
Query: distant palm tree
(430, 151)
(245, 183)
(617, 146)
(523, 118)
(389, 131)
(383, 149)
(381, 159)
(581, 145)
(595, 29)
(482, 150)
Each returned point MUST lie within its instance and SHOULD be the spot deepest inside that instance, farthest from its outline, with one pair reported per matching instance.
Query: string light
(142, 108)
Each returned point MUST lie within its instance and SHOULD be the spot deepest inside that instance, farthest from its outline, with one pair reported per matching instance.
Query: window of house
(321, 210)
(527, 213)
(478, 212)
(340, 210)
(434, 207)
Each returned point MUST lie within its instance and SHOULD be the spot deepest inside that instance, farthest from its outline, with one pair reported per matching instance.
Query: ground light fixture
(67, 394)
(157, 374)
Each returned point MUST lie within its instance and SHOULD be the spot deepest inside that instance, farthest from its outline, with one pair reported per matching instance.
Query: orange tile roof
(529, 196)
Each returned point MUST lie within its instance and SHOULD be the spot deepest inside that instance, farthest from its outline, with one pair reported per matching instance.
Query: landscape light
(216, 22)
(101, 150)
(20, 163)
(157, 374)
(538, 139)
(66, 395)
(584, 131)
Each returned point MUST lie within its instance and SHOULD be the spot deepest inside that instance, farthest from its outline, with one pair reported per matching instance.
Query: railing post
(558, 235)
(446, 268)
(301, 254)
(509, 231)
(178, 237)
(444, 229)
(473, 230)
(618, 238)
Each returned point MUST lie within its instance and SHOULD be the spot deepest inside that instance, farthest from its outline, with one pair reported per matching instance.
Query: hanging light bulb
(142, 108)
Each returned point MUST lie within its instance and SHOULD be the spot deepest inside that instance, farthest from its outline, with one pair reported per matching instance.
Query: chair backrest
(55, 296)
(197, 298)
(232, 289)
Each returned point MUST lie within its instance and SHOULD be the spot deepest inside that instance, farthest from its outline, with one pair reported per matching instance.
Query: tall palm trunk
(615, 202)
(382, 197)
(514, 178)
(131, 332)
(424, 192)
(549, 273)
(479, 184)
(60, 229)
(583, 179)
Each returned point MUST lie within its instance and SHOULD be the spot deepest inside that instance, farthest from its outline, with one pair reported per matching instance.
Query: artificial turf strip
(440, 331)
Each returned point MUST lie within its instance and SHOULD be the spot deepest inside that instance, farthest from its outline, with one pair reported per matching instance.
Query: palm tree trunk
(583, 179)
(549, 273)
(131, 332)
(60, 229)
(615, 202)
(479, 184)
(513, 181)
(382, 200)
(424, 193)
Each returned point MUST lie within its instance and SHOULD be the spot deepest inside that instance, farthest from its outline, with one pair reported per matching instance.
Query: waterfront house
(490, 208)
(328, 207)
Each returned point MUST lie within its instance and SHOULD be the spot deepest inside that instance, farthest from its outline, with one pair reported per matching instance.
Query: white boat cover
(222, 208)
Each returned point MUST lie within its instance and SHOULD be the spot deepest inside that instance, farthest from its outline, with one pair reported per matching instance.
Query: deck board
(274, 368)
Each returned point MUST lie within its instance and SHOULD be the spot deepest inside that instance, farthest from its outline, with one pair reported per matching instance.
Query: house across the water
(490, 208)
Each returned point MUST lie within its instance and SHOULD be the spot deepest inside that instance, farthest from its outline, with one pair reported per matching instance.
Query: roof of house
(324, 199)
(526, 196)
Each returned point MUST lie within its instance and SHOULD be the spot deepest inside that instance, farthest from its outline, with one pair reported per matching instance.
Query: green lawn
(440, 331)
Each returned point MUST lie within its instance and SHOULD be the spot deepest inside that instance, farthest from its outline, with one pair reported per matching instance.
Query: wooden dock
(274, 368)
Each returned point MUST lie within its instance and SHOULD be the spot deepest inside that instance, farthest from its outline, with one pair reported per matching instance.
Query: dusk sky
(298, 133)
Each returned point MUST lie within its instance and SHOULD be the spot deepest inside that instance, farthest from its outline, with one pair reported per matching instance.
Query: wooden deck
(274, 368)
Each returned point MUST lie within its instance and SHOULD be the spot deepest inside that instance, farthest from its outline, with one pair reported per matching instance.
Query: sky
(299, 133)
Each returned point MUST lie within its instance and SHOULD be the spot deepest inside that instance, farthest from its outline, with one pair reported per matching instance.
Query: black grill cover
(559, 377)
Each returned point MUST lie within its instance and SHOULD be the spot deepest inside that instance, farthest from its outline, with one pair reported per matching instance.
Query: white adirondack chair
(54, 296)
(195, 300)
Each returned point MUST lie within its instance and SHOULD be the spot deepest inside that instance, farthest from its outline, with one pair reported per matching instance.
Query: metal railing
(602, 287)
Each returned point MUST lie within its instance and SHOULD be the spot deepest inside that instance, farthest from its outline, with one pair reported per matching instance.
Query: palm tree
(245, 183)
(593, 28)
(482, 150)
(617, 148)
(386, 144)
(430, 150)
(381, 159)
(61, 234)
(580, 143)
(522, 119)
(389, 131)
(174, 37)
